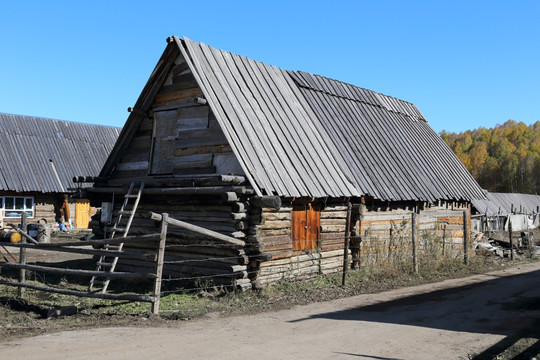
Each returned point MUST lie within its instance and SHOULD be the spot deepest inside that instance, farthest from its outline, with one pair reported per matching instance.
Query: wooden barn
(39, 158)
(289, 163)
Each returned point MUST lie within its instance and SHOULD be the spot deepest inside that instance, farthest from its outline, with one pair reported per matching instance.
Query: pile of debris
(524, 244)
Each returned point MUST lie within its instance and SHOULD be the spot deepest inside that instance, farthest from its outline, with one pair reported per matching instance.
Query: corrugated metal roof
(43, 155)
(504, 203)
(299, 134)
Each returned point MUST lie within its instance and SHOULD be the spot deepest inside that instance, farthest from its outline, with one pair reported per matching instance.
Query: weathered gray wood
(77, 272)
(73, 250)
(204, 81)
(128, 297)
(205, 190)
(200, 230)
(466, 237)
(346, 245)
(159, 263)
(272, 202)
(511, 239)
(22, 253)
(414, 236)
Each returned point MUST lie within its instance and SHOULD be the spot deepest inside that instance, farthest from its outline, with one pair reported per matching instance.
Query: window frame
(10, 213)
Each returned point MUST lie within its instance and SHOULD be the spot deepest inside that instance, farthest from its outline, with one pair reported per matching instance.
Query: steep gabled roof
(43, 155)
(504, 203)
(302, 135)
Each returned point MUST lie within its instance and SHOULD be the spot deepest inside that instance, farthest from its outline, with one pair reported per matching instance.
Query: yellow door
(82, 213)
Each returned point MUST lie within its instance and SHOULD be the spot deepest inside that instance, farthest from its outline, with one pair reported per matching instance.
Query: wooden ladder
(108, 263)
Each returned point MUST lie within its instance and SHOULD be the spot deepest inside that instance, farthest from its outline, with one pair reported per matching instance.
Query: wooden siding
(181, 138)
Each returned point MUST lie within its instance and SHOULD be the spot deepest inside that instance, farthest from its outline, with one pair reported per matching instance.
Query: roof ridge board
(282, 139)
(347, 181)
(206, 86)
(368, 93)
(389, 156)
(371, 185)
(272, 152)
(308, 139)
(346, 109)
(411, 164)
(366, 127)
(317, 101)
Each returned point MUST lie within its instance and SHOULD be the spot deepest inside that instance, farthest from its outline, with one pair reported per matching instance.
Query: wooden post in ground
(159, 263)
(466, 235)
(414, 242)
(22, 255)
(443, 238)
(346, 244)
(511, 239)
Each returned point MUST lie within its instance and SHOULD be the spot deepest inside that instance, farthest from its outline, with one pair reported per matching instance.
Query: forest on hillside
(505, 158)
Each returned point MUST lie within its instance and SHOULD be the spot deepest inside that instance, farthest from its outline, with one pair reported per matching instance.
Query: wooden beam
(128, 297)
(199, 230)
(77, 272)
(205, 190)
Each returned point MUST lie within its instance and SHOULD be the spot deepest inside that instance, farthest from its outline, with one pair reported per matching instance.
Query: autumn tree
(505, 158)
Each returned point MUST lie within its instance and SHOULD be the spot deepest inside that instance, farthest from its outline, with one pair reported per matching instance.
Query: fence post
(511, 239)
(22, 255)
(414, 242)
(346, 245)
(465, 237)
(443, 238)
(159, 264)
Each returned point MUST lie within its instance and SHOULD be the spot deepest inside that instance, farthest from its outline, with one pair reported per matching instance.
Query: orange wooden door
(305, 224)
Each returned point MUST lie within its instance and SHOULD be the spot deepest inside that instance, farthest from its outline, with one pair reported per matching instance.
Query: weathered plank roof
(43, 155)
(504, 203)
(302, 135)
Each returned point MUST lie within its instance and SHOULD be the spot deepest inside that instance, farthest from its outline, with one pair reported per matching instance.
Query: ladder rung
(99, 282)
(125, 212)
(111, 247)
(101, 263)
(118, 229)
(129, 196)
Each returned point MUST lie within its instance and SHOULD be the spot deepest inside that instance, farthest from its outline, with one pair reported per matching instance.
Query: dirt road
(446, 320)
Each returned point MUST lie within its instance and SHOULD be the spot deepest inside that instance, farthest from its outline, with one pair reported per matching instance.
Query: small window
(13, 207)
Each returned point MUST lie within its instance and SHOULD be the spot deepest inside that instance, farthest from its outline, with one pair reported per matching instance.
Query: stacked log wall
(271, 233)
(192, 258)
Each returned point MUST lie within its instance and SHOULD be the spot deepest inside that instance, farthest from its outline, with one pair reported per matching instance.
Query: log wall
(270, 233)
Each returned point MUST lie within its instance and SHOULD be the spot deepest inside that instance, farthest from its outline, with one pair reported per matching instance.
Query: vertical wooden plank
(313, 220)
(414, 242)
(511, 240)
(159, 263)
(346, 245)
(298, 224)
(443, 238)
(22, 255)
(466, 237)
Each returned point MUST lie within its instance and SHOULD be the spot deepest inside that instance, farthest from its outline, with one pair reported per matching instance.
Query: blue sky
(465, 64)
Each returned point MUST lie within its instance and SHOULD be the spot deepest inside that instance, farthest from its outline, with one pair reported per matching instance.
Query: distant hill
(502, 159)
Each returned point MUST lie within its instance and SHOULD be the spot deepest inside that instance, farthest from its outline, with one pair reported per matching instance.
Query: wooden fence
(81, 247)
